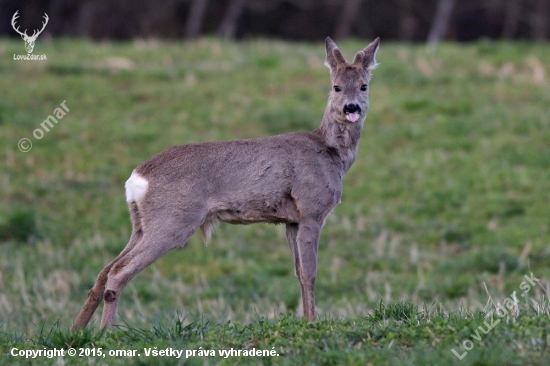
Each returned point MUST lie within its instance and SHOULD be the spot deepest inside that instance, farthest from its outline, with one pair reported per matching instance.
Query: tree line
(311, 20)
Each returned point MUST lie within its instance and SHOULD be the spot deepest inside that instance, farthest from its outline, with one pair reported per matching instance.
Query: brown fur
(294, 179)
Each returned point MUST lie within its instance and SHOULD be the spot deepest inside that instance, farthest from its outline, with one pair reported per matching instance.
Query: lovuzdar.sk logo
(29, 40)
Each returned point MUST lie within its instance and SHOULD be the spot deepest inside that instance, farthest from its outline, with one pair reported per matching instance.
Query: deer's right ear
(369, 55)
(334, 56)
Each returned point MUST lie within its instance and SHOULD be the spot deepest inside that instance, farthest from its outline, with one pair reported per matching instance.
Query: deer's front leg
(291, 234)
(307, 243)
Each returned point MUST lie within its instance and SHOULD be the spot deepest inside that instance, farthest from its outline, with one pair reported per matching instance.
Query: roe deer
(294, 179)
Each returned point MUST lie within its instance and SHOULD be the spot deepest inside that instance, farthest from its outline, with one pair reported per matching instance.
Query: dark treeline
(407, 20)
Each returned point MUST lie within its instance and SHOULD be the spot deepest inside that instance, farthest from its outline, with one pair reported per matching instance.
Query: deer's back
(263, 179)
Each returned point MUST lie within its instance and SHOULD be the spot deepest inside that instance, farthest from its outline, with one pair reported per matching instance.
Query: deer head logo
(29, 40)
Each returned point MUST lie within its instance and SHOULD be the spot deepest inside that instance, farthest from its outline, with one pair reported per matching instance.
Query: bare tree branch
(347, 18)
(441, 21)
(228, 28)
(512, 13)
(193, 25)
(539, 20)
(407, 21)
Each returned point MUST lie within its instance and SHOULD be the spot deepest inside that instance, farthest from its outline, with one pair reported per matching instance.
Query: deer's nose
(351, 108)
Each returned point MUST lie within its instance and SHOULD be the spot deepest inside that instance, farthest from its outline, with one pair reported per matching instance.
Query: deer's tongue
(352, 117)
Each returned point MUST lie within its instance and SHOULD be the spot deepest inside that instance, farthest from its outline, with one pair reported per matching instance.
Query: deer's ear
(334, 57)
(369, 55)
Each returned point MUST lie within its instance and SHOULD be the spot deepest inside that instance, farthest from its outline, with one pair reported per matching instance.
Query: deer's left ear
(334, 57)
(369, 55)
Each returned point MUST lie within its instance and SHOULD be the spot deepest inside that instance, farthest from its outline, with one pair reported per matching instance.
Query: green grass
(443, 213)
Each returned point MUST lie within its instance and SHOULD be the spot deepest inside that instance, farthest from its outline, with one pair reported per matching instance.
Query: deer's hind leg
(95, 295)
(160, 236)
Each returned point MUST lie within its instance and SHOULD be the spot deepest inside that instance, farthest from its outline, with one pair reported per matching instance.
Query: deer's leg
(95, 295)
(159, 238)
(291, 233)
(307, 240)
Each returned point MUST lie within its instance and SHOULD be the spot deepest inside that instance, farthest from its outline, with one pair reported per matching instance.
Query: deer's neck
(343, 137)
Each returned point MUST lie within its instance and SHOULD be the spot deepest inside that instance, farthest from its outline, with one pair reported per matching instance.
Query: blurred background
(447, 204)
(311, 20)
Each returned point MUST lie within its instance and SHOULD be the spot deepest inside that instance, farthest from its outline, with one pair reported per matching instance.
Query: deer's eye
(364, 87)
(337, 88)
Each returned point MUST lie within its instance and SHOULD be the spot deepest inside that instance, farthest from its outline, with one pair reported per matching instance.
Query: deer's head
(349, 98)
(29, 40)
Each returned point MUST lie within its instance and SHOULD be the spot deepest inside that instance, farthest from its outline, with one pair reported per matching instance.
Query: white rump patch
(136, 187)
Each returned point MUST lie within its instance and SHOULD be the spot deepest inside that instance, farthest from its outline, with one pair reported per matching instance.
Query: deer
(293, 179)
(29, 40)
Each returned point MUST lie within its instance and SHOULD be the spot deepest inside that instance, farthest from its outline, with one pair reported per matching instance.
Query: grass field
(443, 213)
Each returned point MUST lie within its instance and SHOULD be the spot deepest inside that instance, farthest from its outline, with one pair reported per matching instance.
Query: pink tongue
(352, 117)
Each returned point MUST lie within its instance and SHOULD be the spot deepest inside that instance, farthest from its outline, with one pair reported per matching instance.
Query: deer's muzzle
(352, 112)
